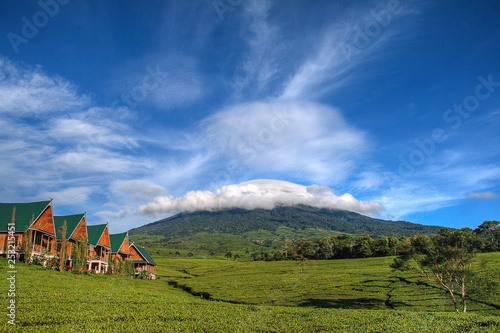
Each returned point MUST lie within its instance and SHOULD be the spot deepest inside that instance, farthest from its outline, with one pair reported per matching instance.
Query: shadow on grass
(355, 303)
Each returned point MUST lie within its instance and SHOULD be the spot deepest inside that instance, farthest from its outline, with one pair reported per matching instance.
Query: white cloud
(137, 188)
(483, 195)
(255, 194)
(67, 196)
(66, 154)
(25, 90)
(309, 139)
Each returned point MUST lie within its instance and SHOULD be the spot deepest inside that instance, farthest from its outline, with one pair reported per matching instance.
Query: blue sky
(133, 112)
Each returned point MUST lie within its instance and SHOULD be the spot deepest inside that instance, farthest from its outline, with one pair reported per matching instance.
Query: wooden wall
(45, 222)
(104, 240)
(134, 254)
(80, 232)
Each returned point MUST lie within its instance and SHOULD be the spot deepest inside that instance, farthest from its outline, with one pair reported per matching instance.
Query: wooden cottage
(76, 231)
(119, 248)
(142, 261)
(99, 247)
(34, 217)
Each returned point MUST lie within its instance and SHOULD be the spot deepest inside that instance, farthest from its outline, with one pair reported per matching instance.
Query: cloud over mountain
(254, 194)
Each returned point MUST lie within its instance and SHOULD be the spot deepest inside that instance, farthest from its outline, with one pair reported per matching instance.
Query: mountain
(301, 219)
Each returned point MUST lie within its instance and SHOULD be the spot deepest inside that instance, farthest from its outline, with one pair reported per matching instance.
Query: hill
(250, 227)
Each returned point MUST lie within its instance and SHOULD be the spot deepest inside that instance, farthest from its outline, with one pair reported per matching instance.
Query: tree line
(445, 259)
(485, 238)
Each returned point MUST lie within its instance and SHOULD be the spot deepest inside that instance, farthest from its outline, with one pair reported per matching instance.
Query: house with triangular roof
(99, 247)
(119, 246)
(76, 231)
(142, 261)
(34, 217)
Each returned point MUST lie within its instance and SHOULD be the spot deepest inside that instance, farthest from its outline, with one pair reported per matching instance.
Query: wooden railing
(144, 268)
(40, 248)
(101, 258)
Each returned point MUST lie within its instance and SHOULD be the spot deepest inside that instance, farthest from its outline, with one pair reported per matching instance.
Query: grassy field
(359, 295)
(351, 283)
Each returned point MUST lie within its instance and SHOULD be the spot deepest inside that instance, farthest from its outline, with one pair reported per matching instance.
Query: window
(38, 238)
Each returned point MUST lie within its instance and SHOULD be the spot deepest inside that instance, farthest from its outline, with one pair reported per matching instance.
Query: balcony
(40, 248)
(100, 258)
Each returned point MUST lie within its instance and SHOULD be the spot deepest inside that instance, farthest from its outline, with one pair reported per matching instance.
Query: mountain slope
(241, 221)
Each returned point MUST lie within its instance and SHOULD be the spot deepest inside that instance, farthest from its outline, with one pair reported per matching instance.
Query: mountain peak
(238, 221)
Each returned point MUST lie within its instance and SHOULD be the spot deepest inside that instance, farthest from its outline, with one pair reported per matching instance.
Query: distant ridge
(241, 221)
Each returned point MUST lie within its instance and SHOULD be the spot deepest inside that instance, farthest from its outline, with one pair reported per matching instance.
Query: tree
(305, 249)
(79, 254)
(381, 247)
(363, 247)
(302, 262)
(490, 232)
(62, 249)
(27, 243)
(229, 255)
(325, 250)
(236, 256)
(446, 260)
(343, 246)
(393, 245)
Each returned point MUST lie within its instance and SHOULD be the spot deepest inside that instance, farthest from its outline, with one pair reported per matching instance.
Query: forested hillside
(240, 221)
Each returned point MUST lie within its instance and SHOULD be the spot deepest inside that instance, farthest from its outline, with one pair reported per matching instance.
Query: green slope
(51, 301)
(243, 232)
(363, 283)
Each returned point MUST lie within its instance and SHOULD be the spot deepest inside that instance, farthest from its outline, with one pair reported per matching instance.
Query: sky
(135, 111)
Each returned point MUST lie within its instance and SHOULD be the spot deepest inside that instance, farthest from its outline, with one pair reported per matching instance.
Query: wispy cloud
(67, 196)
(67, 155)
(439, 185)
(483, 195)
(310, 139)
(358, 40)
(265, 48)
(402, 200)
(77, 131)
(164, 82)
(140, 189)
(28, 90)
(265, 194)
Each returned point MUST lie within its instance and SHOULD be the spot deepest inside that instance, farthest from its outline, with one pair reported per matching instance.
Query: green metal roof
(144, 254)
(25, 212)
(94, 233)
(116, 241)
(72, 222)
